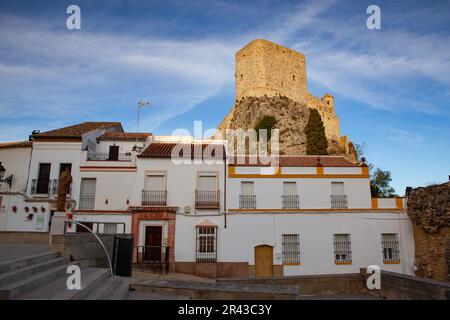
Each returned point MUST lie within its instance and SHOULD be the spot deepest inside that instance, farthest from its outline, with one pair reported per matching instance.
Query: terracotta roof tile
(296, 161)
(77, 130)
(164, 149)
(123, 136)
(16, 145)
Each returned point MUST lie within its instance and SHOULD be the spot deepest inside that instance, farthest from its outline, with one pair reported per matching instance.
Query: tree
(379, 184)
(379, 179)
(316, 141)
(268, 123)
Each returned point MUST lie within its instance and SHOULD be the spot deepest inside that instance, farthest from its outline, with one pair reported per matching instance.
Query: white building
(193, 212)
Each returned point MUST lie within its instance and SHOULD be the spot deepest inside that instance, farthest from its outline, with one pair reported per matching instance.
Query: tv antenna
(141, 104)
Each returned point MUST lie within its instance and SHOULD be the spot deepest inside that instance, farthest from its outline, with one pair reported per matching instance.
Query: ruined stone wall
(326, 110)
(429, 210)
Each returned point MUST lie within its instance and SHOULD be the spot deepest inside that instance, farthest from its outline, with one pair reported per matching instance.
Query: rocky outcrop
(429, 210)
(292, 118)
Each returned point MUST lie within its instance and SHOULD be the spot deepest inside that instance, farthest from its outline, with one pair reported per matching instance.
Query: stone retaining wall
(24, 237)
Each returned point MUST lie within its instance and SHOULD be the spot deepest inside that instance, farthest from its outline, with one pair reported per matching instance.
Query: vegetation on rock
(267, 123)
(315, 135)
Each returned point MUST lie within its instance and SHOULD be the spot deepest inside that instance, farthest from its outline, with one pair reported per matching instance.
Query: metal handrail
(98, 239)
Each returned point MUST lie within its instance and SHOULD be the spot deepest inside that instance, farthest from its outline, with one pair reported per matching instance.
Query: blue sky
(391, 86)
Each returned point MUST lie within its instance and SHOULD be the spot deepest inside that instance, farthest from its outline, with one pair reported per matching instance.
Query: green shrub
(316, 141)
(268, 123)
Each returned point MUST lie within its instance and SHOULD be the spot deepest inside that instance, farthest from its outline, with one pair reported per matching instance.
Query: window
(290, 199)
(207, 194)
(110, 228)
(206, 244)
(155, 193)
(87, 194)
(291, 249)
(342, 249)
(43, 181)
(338, 197)
(113, 154)
(389, 243)
(247, 199)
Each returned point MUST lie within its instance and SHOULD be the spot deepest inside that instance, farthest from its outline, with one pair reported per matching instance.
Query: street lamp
(2, 174)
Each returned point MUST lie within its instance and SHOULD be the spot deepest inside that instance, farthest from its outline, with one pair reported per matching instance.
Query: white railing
(154, 197)
(290, 201)
(339, 202)
(247, 201)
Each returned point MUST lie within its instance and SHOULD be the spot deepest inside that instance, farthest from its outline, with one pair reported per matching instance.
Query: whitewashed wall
(18, 221)
(244, 231)
(313, 193)
(181, 181)
(16, 162)
(56, 153)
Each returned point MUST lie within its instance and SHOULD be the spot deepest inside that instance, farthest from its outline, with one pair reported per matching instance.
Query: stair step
(121, 291)
(30, 270)
(7, 266)
(91, 279)
(14, 289)
(104, 290)
(57, 288)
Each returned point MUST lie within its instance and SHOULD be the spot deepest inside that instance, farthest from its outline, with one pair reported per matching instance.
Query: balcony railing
(105, 156)
(339, 202)
(55, 185)
(154, 197)
(40, 186)
(290, 201)
(247, 201)
(207, 199)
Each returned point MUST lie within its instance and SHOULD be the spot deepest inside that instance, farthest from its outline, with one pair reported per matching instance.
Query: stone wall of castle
(264, 68)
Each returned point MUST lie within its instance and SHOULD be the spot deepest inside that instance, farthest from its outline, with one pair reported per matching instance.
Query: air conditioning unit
(187, 209)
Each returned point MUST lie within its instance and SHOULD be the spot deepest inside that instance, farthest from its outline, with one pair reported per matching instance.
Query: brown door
(80, 229)
(153, 242)
(263, 261)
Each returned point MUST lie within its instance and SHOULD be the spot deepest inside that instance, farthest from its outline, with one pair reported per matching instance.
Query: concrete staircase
(43, 276)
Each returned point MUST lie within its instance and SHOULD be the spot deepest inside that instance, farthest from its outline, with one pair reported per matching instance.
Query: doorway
(263, 261)
(153, 243)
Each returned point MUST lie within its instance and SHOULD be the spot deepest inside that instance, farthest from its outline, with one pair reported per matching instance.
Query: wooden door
(153, 242)
(263, 261)
(43, 178)
(113, 153)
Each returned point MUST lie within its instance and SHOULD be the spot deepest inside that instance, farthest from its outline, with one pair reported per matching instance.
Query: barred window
(206, 244)
(291, 248)
(87, 193)
(389, 243)
(342, 249)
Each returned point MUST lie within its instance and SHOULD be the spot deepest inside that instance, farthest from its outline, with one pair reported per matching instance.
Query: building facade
(192, 208)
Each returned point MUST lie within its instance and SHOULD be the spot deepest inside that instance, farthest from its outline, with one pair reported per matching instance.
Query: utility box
(122, 260)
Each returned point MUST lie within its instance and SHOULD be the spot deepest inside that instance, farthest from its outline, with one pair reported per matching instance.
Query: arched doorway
(263, 261)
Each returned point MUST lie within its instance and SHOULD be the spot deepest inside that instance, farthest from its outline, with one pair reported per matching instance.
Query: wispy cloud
(404, 136)
(52, 74)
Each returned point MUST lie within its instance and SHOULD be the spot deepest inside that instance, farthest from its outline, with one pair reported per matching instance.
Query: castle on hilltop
(266, 69)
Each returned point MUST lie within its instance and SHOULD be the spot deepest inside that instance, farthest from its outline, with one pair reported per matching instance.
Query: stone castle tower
(271, 80)
(264, 68)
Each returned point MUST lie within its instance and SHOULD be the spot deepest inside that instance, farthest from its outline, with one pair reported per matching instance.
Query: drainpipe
(225, 194)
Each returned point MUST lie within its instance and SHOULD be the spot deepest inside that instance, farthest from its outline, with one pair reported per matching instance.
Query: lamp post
(2, 174)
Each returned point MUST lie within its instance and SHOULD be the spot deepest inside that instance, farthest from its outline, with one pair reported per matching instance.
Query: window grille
(206, 244)
(342, 248)
(291, 248)
(87, 194)
(389, 243)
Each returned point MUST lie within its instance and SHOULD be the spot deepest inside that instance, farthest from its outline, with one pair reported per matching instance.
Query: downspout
(29, 167)
(225, 195)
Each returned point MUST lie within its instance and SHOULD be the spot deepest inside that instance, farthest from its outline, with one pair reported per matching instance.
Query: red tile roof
(123, 136)
(16, 145)
(77, 130)
(295, 161)
(164, 149)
